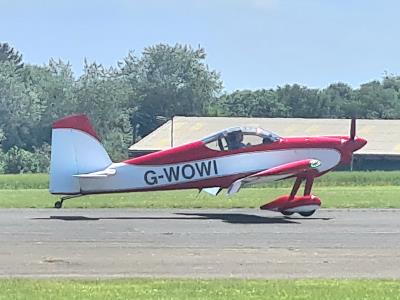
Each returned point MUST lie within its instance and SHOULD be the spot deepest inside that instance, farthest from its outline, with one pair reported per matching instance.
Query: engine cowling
(299, 204)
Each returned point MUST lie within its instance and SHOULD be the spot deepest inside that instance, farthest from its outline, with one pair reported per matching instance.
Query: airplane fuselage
(195, 166)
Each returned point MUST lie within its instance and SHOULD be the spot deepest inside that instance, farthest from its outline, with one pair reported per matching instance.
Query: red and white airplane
(230, 159)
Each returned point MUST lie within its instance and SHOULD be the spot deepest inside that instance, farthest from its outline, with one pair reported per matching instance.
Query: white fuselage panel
(132, 177)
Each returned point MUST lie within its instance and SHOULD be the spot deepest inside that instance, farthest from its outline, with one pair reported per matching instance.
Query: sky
(252, 43)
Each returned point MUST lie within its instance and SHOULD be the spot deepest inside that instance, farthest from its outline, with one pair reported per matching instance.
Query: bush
(18, 160)
(2, 162)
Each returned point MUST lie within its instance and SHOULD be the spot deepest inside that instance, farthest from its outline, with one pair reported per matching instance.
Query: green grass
(24, 181)
(200, 289)
(332, 197)
(376, 178)
(336, 189)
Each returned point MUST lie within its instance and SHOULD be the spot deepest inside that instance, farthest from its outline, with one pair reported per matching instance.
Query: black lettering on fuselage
(215, 167)
(187, 171)
(172, 172)
(204, 168)
(150, 177)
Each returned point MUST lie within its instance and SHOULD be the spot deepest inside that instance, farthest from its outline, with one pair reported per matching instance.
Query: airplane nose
(359, 143)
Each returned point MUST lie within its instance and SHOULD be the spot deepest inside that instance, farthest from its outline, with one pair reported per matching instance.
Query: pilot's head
(239, 136)
(267, 140)
(235, 137)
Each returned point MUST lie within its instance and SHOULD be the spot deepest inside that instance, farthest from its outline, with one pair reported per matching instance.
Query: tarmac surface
(245, 243)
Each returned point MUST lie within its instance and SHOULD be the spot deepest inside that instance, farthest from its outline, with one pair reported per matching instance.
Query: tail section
(75, 149)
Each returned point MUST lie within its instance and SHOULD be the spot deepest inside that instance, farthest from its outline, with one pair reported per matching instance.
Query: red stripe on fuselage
(198, 150)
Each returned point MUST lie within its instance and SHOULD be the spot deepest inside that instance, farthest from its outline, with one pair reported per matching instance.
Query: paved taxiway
(198, 243)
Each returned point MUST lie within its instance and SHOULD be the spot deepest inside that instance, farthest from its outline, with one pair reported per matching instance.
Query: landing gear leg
(59, 203)
(307, 192)
(309, 184)
(293, 193)
(296, 187)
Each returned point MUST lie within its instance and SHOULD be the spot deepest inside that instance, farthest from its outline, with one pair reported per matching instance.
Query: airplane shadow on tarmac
(240, 218)
(230, 218)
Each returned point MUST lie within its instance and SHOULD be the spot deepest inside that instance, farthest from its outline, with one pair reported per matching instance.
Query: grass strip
(376, 178)
(199, 289)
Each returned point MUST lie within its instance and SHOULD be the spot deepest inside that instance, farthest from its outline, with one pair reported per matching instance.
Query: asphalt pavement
(198, 243)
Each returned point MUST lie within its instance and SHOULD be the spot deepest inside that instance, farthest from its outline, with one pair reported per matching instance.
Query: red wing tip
(79, 122)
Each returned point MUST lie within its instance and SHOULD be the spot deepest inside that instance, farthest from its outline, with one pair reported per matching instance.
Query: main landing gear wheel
(58, 204)
(287, 213)
(307, 213)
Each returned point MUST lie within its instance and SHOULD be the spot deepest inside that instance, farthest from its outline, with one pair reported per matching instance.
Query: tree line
(128, 101)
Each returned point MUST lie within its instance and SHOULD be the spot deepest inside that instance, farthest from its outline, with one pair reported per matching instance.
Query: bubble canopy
(246, 131)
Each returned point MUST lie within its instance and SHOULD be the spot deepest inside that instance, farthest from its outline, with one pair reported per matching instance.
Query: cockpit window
(239, 137)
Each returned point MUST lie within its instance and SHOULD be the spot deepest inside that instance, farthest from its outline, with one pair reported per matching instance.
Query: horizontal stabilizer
(212, 190)
(99, 174)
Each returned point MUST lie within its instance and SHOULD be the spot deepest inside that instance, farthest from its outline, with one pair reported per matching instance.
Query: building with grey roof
(381, 152)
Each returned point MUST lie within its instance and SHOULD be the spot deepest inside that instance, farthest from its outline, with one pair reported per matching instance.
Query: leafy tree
(168, 81)
(377, 102)
(391, 81)
(19, 108)
(2, 162)
(2, 155)
(54, 86)
(9, 54)
(334, 101)
(301, 101)
(103, 94)
(143, 91)
(260, 103)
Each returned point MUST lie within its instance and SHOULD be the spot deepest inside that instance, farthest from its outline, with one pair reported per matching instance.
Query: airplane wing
(279, 172)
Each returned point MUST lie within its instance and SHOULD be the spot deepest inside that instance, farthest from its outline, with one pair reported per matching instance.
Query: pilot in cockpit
(235, 140)
(267, 140)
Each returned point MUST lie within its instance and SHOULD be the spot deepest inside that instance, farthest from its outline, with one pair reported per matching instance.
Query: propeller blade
(351, 162)
(353, 129)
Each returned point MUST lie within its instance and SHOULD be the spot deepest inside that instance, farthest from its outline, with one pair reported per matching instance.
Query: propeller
(353, 143)
(351, 162)
(352, 137)
(353, 129)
